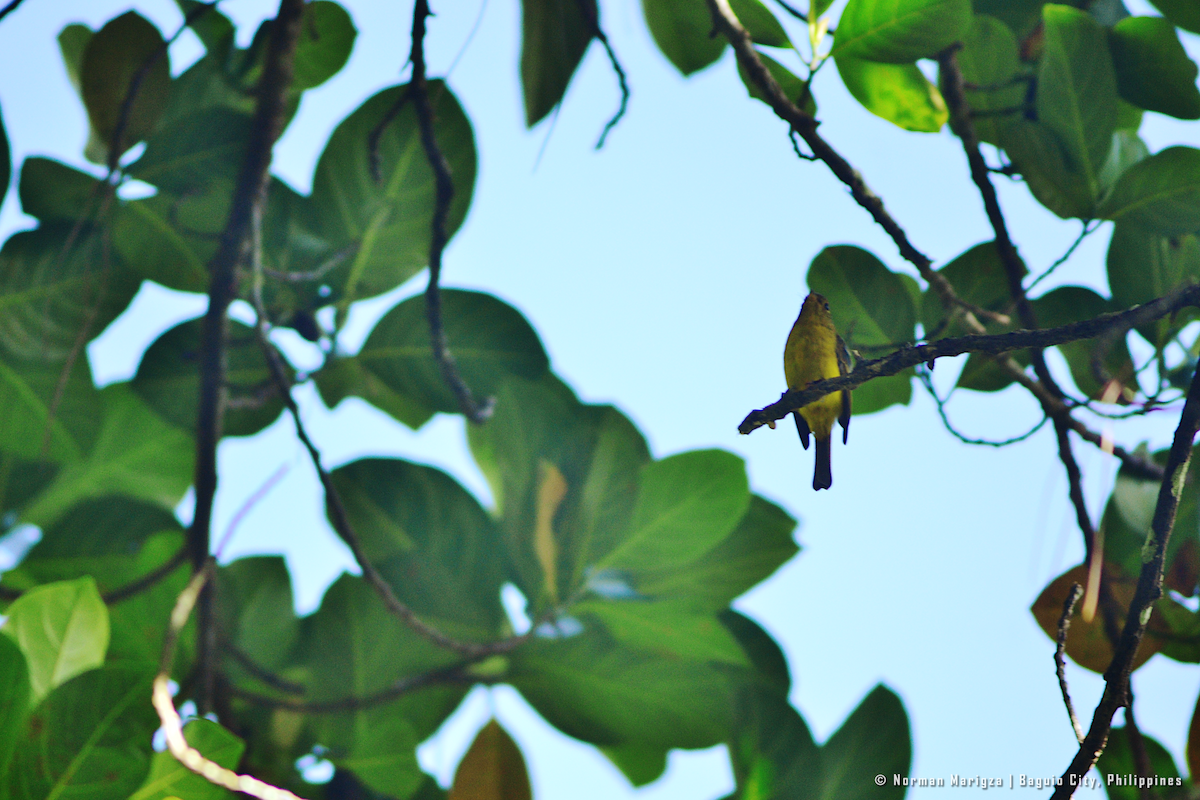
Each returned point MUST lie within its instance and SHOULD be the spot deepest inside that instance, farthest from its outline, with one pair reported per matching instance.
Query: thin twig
(451, 674)
(927, 381)
(1060, 666)
(1088, 229)
(260, 672)
(591, 15)
(444, 185)
(248, 197)
(1149, 590)
(9, 8)
(172, 725)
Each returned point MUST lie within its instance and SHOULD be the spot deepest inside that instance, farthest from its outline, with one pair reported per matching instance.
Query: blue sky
(663, 275)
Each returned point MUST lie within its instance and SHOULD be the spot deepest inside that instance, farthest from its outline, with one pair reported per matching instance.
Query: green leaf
(355, 648)
(899, 93)
(31, 431)
(1067, 304)
(50, 190)
(383, 753)
(595, 689)
(870, 305)
(681, 30)
(641, 764)
(57, 292)
(1161, 193)
(760, 544)
(429, 538)
(169, 778)
(756, 18)
(554, 36)
(791, 84)
(677, 630)
(773, 754)
(979, 277)
(14, 698)
(874, 740)
(135, 453)
(1077, 90)
(212, 27)
(384, 225)
(138, 623)
(1145, 264)
(900, 31)
(686, 505)
(1019, 16)
(326, 38)
(89, 739)
(188, 155)
(152, 246)
(880, 393)
(257, 610)
(990, 63)
(112, 59)
(72, 42)
(1053, 177)
(489, 339)
(100, 537)
(1118, 760)
(1183, 13)
(492, 769)
(1153, 70)
(168, 379)
(765, 654)
(62, 628)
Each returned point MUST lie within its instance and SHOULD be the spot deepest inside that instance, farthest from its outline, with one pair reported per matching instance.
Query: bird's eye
(827, 306)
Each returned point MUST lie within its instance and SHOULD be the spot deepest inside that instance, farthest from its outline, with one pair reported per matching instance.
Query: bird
(814, 351)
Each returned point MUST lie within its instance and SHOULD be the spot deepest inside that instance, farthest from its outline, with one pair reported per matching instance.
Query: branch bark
(1149, 590)
(248, 196)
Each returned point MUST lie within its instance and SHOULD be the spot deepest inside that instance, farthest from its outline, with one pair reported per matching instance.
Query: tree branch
(473, 410)
(726, 22)
(1060, 667)
(248, 196)
(992, 344)
(9, 8)
(1149, 590)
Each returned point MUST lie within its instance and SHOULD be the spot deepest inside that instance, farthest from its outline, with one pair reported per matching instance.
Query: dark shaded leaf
(14, 698)
(681, 30)
(430, 539)
(1117, 760)
(490, 340)
(89, 739)
(326, 38)
(1161, 193)
(168, 379)
(554, 36)
(990, 65)
(1153, 70)
(870, 304)
(112, 60)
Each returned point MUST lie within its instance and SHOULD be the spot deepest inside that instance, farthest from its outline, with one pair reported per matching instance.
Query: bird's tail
(823, 475)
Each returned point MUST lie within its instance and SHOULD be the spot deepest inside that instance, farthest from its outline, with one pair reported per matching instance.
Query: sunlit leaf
(169, 778)
(899, 93)
(62, 628)
(900, 31)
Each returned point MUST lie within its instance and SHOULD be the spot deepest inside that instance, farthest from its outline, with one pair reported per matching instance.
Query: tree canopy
(627, 564)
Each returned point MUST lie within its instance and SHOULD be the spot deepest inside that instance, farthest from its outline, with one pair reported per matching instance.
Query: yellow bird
(815, 351)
